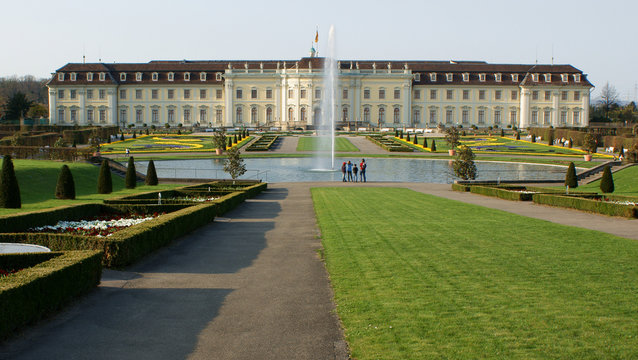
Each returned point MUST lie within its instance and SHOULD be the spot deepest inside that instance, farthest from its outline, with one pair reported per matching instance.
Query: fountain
(326, 125)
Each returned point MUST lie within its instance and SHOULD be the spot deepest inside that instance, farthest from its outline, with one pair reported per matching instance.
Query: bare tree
(608, 98)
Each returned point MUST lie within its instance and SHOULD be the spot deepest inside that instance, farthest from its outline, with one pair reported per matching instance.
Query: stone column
(111, 116)
(53, 115)
(284, 104)
(82, 117)
(277, 108)
(228, 102)
(585, 105)
(407, 103)
(555, 105)
(524, 119)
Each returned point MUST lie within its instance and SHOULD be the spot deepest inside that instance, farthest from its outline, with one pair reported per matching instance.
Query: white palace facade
(288, 94)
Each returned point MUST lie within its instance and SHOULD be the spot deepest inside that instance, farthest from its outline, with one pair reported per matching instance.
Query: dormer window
(218, 76)
(564, 77)
(154, 76)
(122, 76)
(102, 76)
(432, 76)
(138, 76)
(466, 76)
(89, 76)
(449, 77)
(515, 77)
(535, 77)
(548, 77)
(171, 76)
(202, 76)
(187, 76)
(74, 76)
(482, 77)
(417, 77)
(497, 77)
(577, 78)
(60, 76)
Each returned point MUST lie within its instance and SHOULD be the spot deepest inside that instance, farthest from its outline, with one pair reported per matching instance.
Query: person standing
(343, 170)
(349, 169)
(355, 171)
(362, 167)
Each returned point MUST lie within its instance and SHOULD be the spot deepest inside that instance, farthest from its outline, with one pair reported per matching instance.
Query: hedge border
(42, 289)
(461, 187)
(502, 193)
(579, 202)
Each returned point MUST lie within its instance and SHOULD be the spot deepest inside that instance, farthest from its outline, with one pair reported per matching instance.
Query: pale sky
(598, 37)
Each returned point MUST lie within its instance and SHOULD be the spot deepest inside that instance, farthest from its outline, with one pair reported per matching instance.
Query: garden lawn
(416, 276)
(625, 182)
(38, 178)
(315, 143)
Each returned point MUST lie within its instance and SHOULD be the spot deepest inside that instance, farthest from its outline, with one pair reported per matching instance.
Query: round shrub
(570, 176)
(65, 188)
(104, 181)
(131, 178)
(151, 174)
(607, 181)
(9, 188)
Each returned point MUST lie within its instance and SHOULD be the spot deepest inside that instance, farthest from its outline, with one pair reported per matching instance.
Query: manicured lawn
(38, 178)
(162, 143)
(315, 143)
(625, 182)
(416, 277)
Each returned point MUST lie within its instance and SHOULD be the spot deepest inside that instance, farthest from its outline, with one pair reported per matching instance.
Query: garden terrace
(264, 143)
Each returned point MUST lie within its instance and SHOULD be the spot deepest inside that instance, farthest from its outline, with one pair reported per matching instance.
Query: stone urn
(452, 152)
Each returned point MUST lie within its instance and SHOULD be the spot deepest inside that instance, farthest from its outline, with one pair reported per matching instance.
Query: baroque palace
(288, 94)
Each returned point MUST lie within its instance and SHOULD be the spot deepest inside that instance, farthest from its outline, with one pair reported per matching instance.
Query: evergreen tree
(550, 137)
(425, 142)
(234, 165)
(122, 136)
(235, 139)
(464, 166)
(607, 181)
(415, 141)
(433, 148)
(151, 174)
(518, 135)
(134, 135)
(9, 188)
(401, 134)
(533, 138)
(104, 181)
(131, 178)
(65, 188)
(570, 178)
(396, 133)
(247, 133)
(407, 138)
(230, 142)
(502, 133)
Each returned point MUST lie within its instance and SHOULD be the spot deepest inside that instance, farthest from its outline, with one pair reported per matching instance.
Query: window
(432, 94)
(291, 93)
(187, 116)
(102, 115)
(514, 95)
(513, 117)
(102, 76)
(238, 115)
(417, 77)
(101, 94)
(171, 76)
(138, 76)
(564, 77)
(269, 114)
(138, 94)
(89, 94)
(202, 93)
(481, 94)
(432, 116)
(122, 76)
(303, 93)
(171, 115)
(253, 93)
(397, 94)
(366, 115)
(154, 94)
(89, 76)
(171, 93)
(122, 94)
(138, 116)
(253, 115)
(218, 76)
(548, 77)
(576, 117)
(123, 117)
(497, 77)
(202, 76)
(535, 95)
(449, 77)
(303, 114)
(89, 116)
(345, 114)
(547, 116)
(548, 95)
(432, 76)
(577, 78)
(73, 94)
(417, 94)
(381, 94)
(576, 96)
(482, 77)
(74, 76)
(534, 77)
(497, 116)
(291, 114)
(218, 93)
(155, 115)
(60, 94)
(219, 115)
(466, 94)
(466, 77)
(345, 93)
(514, 77)
(154, 76)
(366, 93)
(202, 116)
(449, 94)
(61, 115)
(268, 93)
(416, 116)
(187, 94)
(563, 95)
(61, 77)
(317, 93)
(187, 76)
(74, 115)
(498, 94)
(534, 120)
(465, 116)
(481, 116)
(381, 115)
(449, 116)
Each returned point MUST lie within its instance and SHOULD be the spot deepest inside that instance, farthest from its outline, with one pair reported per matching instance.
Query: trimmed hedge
(590, 203)
(47, 285)
(461, 187)
(264, 143)
(389, 144)
(502, 193)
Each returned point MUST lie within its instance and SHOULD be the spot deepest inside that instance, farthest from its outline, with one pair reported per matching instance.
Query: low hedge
(590, 203)
(389, 144)
(502, 193)
(460, 187)
(39, 290)
(263, 144)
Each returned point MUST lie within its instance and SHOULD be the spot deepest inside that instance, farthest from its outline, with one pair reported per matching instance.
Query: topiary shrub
(230, 142)
(550, 137)
(235, 141)
(518, 135)
(533, 138)
(401, 134)
(131, 178)
(65, 188)
(122, 136)
(104, 181)
(151, 174)
(415, 141)
(9, 188)
(463, 133)
(425, 142)
(433, 147)
(407, 138)
(607, 181)
(396, 133)
(502, 133)
(570, 177)
(247, 133)
(134, 135)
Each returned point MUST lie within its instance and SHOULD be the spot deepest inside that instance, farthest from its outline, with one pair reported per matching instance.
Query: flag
(317, 36)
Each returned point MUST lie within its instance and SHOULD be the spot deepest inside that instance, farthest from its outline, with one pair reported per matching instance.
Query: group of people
(351, 172)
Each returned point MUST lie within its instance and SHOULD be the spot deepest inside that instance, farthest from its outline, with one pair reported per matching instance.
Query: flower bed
(263, 144)
(101, 225)
(389, 144)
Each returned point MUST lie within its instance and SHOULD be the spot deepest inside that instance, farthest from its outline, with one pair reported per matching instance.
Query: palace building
(287, 94)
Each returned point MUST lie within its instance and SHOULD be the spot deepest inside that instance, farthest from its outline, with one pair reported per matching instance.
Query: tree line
(23, 96)
(608, 108)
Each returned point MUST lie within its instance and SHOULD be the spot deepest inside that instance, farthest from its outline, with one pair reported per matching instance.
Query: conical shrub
(533, 138)
(433, 147)
(502, 133)
(396, 133)
(235, 139)
(518, 135)
(151, 174)
(104, 181)
(65, 188)
(407, 138)
(230, 142)
(131, 178)
(570, 176)
(9, 188)
(415, 141)
(425, 142)
(607, 181)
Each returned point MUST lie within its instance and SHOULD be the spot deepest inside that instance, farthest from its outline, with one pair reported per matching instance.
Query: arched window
(253, 115)
(366, 115)
(345, 114)
(381, 115)
(397, 116)
(268, 114)
(303, 114)
(417, 116)
(291, 112)
(238, 117)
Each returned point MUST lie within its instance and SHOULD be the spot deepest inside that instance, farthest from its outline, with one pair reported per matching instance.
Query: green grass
(416, 276)
(314, 143)
(37, 180)
(625, 182)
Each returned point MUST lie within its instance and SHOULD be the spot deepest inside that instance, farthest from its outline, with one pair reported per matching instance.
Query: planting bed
(389, 144)
(263, 144)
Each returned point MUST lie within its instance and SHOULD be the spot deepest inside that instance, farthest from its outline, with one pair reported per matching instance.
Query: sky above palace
(598, 37)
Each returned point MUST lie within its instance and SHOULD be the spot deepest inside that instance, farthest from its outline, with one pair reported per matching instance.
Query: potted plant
(452, 137)
(589, 145)
(219, 141)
